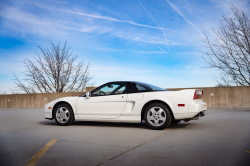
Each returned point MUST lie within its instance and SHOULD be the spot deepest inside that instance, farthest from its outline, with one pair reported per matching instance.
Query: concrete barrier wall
(236, 96)
(34, 100)
(222, 97)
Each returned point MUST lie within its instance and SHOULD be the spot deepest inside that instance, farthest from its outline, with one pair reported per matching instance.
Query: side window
(110, 89)
(141, 87)
(120, 90)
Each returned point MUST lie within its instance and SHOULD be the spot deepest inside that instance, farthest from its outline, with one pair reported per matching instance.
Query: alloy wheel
(156, 116)
(62, 115)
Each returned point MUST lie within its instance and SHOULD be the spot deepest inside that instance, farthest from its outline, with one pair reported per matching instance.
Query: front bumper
(48, 113)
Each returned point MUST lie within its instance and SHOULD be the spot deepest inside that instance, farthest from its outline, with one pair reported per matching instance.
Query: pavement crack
(8, 153)
(129, 150)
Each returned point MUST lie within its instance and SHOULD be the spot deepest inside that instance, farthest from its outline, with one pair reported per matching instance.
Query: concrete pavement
(222, 137)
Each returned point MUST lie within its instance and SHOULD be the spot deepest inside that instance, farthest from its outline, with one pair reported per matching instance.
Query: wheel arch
(155, 101)
(58, 103)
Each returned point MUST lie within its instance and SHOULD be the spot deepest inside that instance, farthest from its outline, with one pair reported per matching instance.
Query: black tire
(68, 113)
(175, 121)
(152, 119)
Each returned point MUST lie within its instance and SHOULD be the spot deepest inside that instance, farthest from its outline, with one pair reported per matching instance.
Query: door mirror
(88, 95)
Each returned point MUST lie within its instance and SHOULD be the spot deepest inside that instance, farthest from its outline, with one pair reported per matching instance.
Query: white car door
(108, 101)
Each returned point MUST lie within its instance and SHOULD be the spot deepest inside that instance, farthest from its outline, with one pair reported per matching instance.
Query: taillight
(198, 94)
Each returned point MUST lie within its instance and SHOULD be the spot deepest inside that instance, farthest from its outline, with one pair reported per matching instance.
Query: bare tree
(54, 70)
(229, 52)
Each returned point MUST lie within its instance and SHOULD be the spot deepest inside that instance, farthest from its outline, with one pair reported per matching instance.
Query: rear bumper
(196, 117)
(197, 109)
(197, 106)
(200, 114)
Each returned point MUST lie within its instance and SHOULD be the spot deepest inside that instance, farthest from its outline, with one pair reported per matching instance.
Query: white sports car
(129, 101)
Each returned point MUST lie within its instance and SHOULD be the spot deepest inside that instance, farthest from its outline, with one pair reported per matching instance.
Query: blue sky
(157, 42)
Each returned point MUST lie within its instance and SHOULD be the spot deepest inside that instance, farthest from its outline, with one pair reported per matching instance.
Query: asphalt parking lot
(222, 137)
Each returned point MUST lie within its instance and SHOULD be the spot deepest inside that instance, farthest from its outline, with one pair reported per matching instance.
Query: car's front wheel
(63, 115)
(157, 116)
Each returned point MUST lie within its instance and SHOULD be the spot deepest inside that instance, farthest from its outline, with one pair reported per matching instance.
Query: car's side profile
(129, 101)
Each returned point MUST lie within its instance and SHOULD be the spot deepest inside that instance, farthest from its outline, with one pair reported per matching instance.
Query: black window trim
(112, 91)
(126, 84)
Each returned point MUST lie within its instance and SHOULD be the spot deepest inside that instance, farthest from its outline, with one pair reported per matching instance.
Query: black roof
(127, 81)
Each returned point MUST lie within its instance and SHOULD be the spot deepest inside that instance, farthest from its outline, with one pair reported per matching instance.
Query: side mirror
(88, 95)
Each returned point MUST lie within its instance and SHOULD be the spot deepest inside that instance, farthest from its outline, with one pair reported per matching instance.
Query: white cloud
(95, 29)
(142, 37)
(29, 23)
(225, 5)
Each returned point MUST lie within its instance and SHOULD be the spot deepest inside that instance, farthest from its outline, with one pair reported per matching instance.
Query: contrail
(155, 43)
(96, 16)
(114, 19)
(144, 52)
(161, 49)
(176, 9)
(157, 25)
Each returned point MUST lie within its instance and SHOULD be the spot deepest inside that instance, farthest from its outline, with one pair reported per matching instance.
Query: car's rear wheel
(63, 115)
(157, 116)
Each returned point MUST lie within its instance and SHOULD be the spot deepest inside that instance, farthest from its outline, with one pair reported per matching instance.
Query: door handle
(122, 96)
